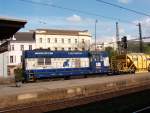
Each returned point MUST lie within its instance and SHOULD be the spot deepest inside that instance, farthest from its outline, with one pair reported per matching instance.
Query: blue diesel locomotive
(46, 64)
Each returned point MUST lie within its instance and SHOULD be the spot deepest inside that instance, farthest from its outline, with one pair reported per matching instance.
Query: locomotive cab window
(47, 61)
(96, 57)
(40, 61)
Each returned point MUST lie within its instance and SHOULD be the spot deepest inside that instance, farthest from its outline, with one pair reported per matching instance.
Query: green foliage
(134, 47)
(146, 48)
(111, 51)
(18, 74)
(148, 44)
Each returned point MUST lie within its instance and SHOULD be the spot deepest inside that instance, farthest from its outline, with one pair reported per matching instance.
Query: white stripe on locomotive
(32, 63)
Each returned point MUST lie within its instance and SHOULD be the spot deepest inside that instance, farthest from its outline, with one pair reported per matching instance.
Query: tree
(18, 76)
(111, 51)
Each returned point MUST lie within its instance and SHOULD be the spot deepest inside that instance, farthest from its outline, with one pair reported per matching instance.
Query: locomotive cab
(99, 62)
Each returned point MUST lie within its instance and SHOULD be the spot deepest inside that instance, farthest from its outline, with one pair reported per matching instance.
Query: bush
(18, 74)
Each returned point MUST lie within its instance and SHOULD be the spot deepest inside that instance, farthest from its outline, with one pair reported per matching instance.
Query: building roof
(24, 36)
(8, 27)
(61, 32)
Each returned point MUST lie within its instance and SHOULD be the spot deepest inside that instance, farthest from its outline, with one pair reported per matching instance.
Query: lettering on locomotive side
(75, 53)
(44, 53)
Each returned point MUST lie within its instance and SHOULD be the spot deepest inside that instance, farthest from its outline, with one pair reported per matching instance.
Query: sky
(45, 16)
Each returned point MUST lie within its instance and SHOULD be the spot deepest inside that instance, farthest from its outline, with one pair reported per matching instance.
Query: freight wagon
(130, 63)
(47, 64)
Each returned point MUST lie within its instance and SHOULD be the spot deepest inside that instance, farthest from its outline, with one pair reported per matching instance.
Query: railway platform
(54, 95)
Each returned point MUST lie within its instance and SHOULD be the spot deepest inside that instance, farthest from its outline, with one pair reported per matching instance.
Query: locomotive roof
(55, 54)
(60, 54)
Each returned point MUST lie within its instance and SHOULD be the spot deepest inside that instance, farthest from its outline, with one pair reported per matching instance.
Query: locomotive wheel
(67, 77)
(34, 79)
(85, 76)
(149, 68)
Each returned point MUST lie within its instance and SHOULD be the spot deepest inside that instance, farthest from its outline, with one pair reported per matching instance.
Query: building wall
(15, 51)
(3, 64)
(60, 42)
(102, 46)
(15, 54)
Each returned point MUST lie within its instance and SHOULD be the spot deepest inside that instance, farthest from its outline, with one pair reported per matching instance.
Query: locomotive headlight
(98, 64)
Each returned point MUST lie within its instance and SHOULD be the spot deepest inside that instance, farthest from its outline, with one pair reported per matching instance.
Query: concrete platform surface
(7, 90)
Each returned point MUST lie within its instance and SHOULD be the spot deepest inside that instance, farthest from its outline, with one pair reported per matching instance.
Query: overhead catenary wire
(76, 10)
(124, 8)
(144, 38)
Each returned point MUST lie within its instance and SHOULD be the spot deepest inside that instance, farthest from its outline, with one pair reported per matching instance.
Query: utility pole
(117, 38)
(95, 34)
(140, 38)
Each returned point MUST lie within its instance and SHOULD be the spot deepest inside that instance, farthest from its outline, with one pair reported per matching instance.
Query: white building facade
(20, 42)
(67, 40)
(103, 46)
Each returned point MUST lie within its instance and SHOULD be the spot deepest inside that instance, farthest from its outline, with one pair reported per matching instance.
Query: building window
(22, 47)
(76, 49)
(63, 49)
(12, 48)
(69, 40)
(11, 59)
(62, 40)
(55, 40)
(48, 40)
(40, 61)
(83, 41)
(55, 48)
(40, 40)
(30, 47)
(47, 61)
(69, 49)
(76, 41)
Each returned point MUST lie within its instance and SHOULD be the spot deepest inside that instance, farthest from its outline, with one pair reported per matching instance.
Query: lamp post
(117, 38)
(140, 38)
(95, 33)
